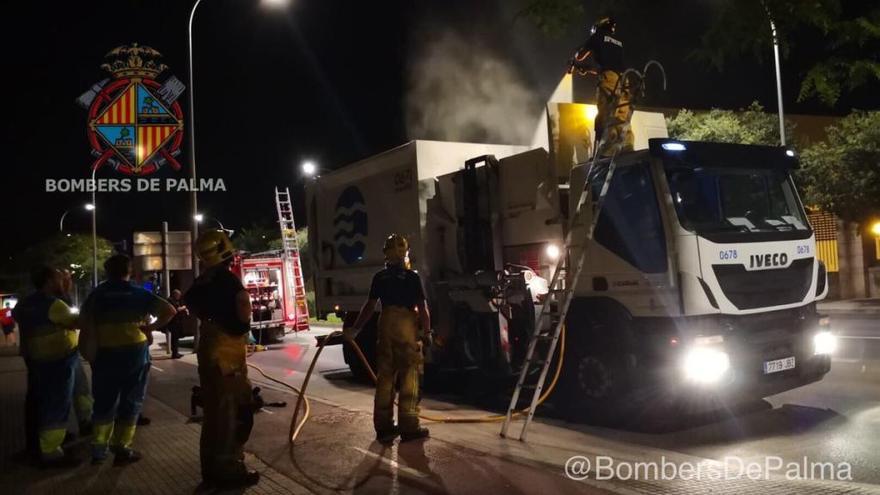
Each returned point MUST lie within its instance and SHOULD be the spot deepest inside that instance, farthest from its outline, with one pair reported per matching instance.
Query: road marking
(263, 409)
(394, 464)
(157, 368)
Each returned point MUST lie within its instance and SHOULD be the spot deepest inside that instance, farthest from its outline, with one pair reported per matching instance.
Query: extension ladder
(290, 255)
(551, 319)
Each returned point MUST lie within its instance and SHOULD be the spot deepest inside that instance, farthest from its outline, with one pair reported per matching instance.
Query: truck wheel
(593, 386)
(366, 340)
(595, 380)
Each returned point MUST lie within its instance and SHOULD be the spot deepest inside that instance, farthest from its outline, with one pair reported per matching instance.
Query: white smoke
(461, 90)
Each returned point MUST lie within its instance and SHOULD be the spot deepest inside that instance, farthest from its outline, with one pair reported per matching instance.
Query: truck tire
(366, 340)
(596, 377)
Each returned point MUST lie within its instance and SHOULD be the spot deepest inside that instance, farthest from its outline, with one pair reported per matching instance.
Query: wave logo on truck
(350, 223)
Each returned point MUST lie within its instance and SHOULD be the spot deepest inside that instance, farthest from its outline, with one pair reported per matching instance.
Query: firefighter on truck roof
(223, 307)
(602, 54)
(399, 349)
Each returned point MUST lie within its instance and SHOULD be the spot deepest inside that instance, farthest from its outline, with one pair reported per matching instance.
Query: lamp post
(93, 209)
(192, 122)
(192, 141)
(775, 35)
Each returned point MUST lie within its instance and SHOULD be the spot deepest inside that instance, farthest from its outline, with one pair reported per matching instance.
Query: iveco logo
(768, 260)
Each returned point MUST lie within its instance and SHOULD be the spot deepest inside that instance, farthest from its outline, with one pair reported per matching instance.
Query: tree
(842, 173)
(256, 238)
(71, 252)
(847, 60)
(747, 126)
(552, 17)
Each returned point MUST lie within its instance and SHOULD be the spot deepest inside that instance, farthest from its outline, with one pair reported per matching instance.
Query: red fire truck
(273, 289)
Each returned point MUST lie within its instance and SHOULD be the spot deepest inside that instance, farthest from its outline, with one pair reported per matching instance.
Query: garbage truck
(699, 283)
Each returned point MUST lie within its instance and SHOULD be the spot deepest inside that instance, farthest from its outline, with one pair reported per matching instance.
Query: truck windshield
(713, 200)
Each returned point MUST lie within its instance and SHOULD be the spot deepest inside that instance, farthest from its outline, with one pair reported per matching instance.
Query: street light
(275, 4)
(192, 140)
(309, 169)
(92, 207)
(88, 207)
(775, 36)
(875, 228)
(200, 217)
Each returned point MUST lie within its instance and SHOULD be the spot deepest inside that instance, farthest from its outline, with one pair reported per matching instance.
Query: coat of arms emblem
(135, 122)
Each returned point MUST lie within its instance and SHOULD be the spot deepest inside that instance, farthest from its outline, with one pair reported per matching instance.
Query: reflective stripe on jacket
(47, 325)
(118, 309)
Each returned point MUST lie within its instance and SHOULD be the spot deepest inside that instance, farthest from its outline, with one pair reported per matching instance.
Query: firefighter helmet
(604, 23)
(214, 247)
(395, 248)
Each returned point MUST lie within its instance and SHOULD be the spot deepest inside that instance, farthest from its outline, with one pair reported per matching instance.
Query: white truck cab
(702, 271)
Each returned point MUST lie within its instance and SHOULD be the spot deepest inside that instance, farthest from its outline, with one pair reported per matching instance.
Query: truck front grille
(764, 288)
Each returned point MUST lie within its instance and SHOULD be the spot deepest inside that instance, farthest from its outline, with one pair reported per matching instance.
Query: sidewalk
(170, 446)
(851, 307)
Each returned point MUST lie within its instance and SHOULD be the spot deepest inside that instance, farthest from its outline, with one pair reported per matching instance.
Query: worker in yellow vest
(223, 307)
(47, 325)
(399, 351)
(116, 318)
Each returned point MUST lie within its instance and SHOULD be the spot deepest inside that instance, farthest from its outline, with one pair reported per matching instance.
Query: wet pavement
(831, 422)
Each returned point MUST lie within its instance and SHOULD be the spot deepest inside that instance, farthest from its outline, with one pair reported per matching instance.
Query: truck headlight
(705, 365)
(824, 342)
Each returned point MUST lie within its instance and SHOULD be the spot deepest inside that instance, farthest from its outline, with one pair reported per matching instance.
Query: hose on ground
(302, 402)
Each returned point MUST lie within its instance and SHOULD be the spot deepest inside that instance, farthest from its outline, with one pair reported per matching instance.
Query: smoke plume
(462, 90)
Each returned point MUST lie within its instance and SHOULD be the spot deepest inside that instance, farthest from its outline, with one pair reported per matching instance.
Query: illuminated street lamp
(309, 169)
(875, 228)
(88, 207)
(199, 218)
(275, 4)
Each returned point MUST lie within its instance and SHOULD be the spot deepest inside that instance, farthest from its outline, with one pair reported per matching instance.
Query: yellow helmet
(214, 247)
(395, 248)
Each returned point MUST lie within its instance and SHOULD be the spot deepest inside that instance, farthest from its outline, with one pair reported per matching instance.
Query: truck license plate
(778, 365)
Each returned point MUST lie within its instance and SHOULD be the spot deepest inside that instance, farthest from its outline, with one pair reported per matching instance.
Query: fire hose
(302, 401)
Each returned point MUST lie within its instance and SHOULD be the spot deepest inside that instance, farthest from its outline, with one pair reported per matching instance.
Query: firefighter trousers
(229, 417)
(398, 362)
(227, 401)
(614, 101)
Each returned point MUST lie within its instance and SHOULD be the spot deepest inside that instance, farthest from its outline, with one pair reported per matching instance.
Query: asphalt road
(833, 421)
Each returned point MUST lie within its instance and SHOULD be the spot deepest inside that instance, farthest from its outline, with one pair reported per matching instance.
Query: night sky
(323, 80)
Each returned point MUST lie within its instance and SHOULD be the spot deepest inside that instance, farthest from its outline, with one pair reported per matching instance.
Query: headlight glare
(705, 365)
(824, 342)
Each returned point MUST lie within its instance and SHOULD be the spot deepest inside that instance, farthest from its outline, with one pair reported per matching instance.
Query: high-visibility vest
(118, 310)
(46, 325)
